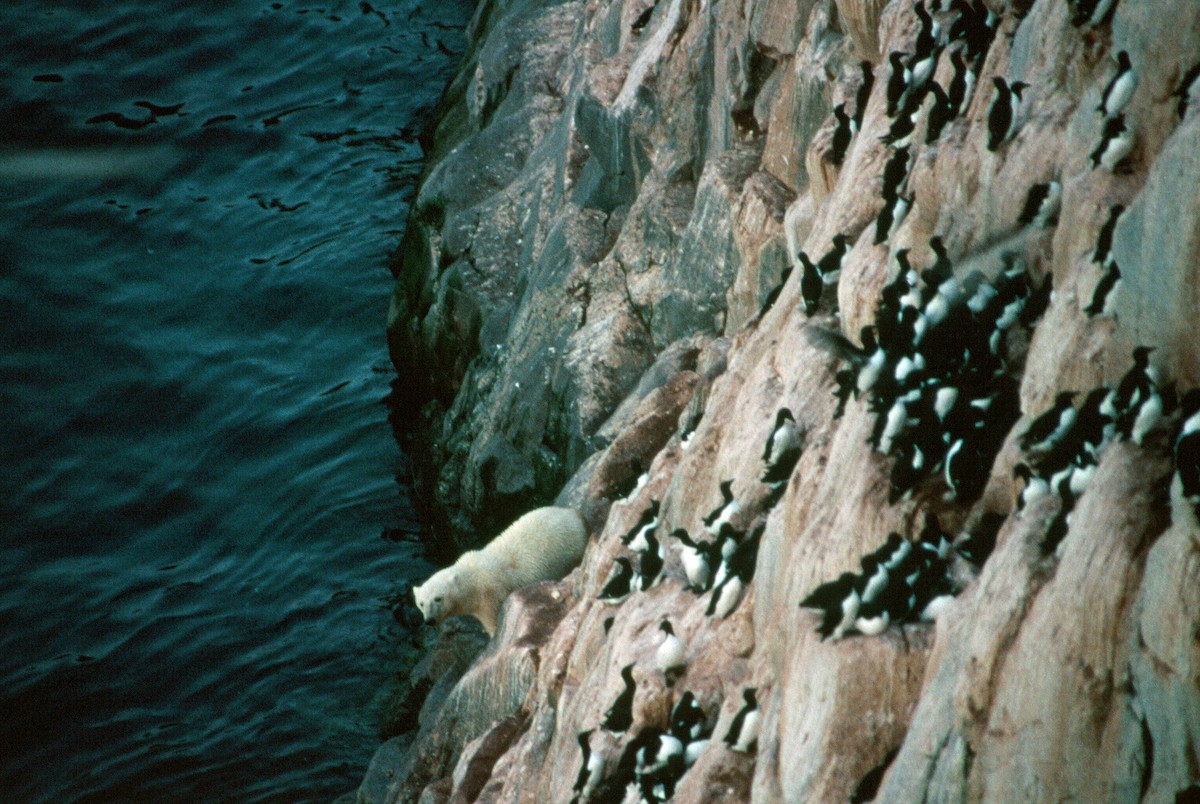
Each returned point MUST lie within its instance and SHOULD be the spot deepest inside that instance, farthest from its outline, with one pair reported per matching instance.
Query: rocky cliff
(605, 297)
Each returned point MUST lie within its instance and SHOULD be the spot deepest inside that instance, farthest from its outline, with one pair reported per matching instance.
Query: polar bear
(544, 544)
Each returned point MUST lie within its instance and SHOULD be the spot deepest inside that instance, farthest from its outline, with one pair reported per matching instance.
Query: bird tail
(836, 344)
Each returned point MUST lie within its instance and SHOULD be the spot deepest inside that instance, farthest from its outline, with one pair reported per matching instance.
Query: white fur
(544, 544)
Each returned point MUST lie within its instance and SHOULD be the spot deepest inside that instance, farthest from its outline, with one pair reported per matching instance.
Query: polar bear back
(544, 544)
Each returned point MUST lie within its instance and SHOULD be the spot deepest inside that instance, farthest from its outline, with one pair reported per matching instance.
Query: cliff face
(615, 189)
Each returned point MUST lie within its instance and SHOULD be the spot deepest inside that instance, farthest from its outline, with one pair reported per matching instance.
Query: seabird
(619, 716)
(635, 539)
(743, 731)
(619, 583)
(941, 112)
(898, 83)
(591, 769)
(839, 601)
(1041, 205)
(830, 266)
(895, 171)
(687, 718)
(1104, 296)
(773, 296)
(930, 32)
(1104, 240)
(1187, 449)
(1119, 90)
(899, 133)
(735, 574)
(650, 563)
(1035, 487)
(723, 513)
(1133, 390)
(698, 559)
(672, 653)
(782, 449)
(1050, 427)
(1116, 143)
(891, 216)
(962, 84)
(1002, 115)
(811, 285)
(1184, 92)
(843, 132)
(863, 95)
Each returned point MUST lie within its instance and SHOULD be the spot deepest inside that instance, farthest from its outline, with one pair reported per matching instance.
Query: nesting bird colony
(939, 368)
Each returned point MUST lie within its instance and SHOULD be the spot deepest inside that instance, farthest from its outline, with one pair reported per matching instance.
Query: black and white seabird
(657, 750)
(1041, 205)
(811, 285)
(962, 83)
(619, 716)
(650, 564)
(1036, 487)
(1002, 115)
(1188, 86)
(930, 33)
(1119, 90)
(839, 601)
(672, 653)
(635, 539)
(921, 66)
(830, 266)
(966, 470)
(687, 718)
(743, 731)
(843, 132)
(1104, 296)
(1104, 240)
(1133, 390)
(1187, 449)
(1050, 427)
(773, 296)
(1151, 409)
(698, 559)
(735, 574)
(894, 211)
(976, 25)
(898, 82)
(1116, 143)
(725, 512)
(591, 768)
(941, 112)
(782, 449)
(863, 94)
(903, 125)
(619, 583)
(895, 171)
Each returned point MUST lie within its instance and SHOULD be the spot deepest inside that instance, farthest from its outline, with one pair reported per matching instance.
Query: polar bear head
(436, 598)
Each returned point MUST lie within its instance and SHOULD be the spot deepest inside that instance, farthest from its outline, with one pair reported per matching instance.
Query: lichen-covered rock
(586, 319)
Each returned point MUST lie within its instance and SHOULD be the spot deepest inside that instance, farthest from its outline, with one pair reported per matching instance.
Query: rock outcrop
(615, 190)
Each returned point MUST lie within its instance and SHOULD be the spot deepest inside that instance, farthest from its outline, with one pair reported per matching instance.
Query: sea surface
(205, 522)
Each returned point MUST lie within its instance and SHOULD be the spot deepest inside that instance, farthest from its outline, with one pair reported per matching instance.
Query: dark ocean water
(197, 201)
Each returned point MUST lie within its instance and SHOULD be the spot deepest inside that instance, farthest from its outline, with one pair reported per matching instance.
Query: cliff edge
(605, 299)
